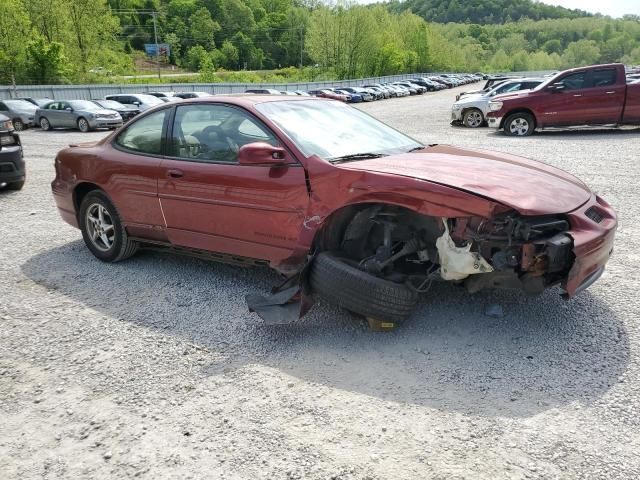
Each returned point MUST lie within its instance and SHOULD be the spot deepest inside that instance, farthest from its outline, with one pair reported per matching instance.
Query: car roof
(249, 99)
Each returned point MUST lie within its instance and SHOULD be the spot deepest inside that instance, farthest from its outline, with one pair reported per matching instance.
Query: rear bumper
(592, 244)
(12, 166)
(63, 196)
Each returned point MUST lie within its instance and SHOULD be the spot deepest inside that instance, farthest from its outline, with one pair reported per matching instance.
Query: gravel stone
(171, 337)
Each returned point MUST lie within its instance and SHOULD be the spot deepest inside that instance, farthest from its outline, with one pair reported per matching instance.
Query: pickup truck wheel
(473, 118)
(102, 230)
(360, 292)
(519, 124)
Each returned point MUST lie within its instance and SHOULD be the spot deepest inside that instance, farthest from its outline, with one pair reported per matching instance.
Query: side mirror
(137, 104)
(261, 153)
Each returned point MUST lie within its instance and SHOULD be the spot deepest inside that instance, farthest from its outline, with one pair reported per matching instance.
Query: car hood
(507, 96)
(530, 187)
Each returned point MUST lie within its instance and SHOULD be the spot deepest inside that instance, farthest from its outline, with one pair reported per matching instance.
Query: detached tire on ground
(359, 291)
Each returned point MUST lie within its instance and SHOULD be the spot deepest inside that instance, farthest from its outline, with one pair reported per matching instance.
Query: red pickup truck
(586, 96)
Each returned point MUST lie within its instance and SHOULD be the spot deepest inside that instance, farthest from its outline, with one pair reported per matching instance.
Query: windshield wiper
(416, 148)
(357, 156)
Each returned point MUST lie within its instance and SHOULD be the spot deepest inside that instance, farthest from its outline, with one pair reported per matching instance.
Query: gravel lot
(153, 368)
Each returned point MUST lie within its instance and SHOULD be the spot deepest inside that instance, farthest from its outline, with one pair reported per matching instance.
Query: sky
(613, 8)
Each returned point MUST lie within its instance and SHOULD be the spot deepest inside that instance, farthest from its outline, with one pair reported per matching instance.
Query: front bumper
(105, 122)
(593, 237)
(456, 115)
(494, 122)
(12, 166)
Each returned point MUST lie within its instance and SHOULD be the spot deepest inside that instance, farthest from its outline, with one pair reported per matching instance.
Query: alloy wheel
(100, 227)
(83, 125)
(473, 119)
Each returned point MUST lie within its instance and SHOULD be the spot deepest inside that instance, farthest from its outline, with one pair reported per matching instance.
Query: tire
(119, 246)
(359, 291)
(44, 124)
(519, 125)
(15, 185)
(83, 125)
(473, 118)
(18, 125)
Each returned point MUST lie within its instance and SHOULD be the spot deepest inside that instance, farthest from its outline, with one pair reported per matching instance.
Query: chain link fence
(88, 92)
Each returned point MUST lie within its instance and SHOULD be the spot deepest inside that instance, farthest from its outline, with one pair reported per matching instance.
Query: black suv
(12, 169)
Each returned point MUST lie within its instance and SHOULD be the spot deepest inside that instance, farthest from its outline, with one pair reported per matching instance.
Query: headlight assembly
(495, 106)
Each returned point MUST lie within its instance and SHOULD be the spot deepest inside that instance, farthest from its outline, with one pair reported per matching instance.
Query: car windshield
(309, 123)
(84, 105)
(20, 105)
(149, 99)
(110, 104)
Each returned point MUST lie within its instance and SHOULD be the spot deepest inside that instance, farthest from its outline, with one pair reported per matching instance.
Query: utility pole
(301, 44)
(155, 36)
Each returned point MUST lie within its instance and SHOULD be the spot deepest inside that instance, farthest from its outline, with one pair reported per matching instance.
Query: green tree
(46, 62)
(580, 53)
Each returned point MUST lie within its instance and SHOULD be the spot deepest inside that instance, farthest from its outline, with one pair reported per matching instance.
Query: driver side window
(214, 133)
(575, 81)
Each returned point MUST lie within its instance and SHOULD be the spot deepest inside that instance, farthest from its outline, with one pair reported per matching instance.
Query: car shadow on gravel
(543, 353)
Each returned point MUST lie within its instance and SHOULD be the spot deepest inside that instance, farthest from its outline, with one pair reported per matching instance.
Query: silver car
(471, 110)
(80, 114)
(21, 113)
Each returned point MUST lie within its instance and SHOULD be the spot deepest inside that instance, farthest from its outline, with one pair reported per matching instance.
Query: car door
(66, 116)
(211, 202)
(137, 153)
(569, 105)
(51, 113)
(604, 99)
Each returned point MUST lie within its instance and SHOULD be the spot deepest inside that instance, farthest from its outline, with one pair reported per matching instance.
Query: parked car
(365, 218)
(38, 102)
(185, 95)
(353, 97)
(165, 96)
(587, 96)
(364, 93)
(81, 114)
(21, 113)
(471, 110)
(493, 81)
(326, 93)
(139, 100)
(302, 93)
(12, 167)
(263, 91)
(127, 112)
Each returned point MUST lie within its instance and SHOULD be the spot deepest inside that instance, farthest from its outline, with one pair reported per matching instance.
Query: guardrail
(87, 92)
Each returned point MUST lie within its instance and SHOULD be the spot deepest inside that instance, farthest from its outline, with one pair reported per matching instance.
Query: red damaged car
(336, 201)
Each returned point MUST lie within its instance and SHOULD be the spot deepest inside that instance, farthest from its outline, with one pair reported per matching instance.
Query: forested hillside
(483, 11)
(63, 41)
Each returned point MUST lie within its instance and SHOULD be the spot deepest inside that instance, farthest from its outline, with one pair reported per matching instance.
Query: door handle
(577, 94)
(610, 93)
(174, 173)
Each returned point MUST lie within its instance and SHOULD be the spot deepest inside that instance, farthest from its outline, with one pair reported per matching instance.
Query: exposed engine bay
(508, 251)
